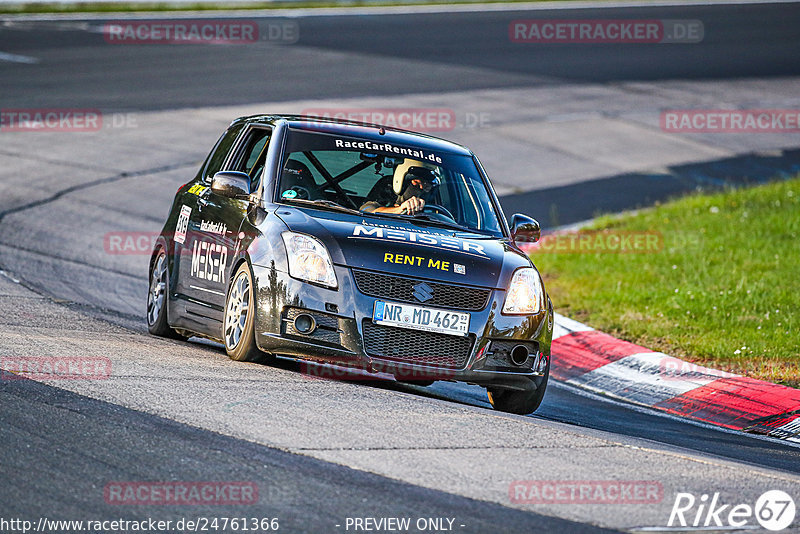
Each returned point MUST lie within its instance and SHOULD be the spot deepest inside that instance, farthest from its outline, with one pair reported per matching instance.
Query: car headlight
(526, 292)
(309, 259)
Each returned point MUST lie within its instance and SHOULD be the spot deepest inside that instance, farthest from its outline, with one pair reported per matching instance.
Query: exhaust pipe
(519, 355)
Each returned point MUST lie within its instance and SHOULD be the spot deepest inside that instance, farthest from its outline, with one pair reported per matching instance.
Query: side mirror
(525, 229)
(231, 184)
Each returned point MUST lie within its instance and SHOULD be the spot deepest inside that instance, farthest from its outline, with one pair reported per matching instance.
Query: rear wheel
(519, 402)
(238, 330)
(157, 297)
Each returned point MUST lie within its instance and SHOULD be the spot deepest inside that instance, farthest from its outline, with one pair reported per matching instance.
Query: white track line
(15, 58)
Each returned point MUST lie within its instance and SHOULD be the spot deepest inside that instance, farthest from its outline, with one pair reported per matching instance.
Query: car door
(216, 224)
(192, 309)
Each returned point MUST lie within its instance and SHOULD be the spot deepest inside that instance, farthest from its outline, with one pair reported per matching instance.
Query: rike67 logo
(773, 510)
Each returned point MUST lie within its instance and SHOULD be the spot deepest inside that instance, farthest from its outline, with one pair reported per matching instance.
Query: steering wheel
(439, 210)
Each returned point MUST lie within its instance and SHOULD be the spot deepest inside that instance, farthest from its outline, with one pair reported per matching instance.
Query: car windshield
(338, 171)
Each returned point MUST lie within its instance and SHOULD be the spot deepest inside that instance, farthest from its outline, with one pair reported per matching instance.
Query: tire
(158, 297)
(519, 402)
(238, 332)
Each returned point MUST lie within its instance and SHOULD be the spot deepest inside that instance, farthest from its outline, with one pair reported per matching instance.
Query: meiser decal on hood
(422, 239)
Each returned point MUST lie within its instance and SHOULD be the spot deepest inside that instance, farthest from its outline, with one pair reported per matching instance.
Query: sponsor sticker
(183, 224)
(417, 261)
(209, 261)
(213, 227)
(197, 189)
(387, 147)
(436, 241)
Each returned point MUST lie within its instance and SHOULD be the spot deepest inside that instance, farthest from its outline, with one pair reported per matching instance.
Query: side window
(220, 153)
(251, 159)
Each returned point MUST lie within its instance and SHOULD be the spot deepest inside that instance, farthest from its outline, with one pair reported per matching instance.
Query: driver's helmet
(411, 169)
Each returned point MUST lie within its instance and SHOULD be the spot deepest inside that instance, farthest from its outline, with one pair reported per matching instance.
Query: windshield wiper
(455, 226)
(424, 217)
(323, 204)
(438, 222)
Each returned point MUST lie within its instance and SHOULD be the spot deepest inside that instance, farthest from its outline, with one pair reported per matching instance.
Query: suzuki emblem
(423, 292)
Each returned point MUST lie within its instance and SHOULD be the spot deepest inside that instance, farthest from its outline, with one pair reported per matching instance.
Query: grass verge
(715, 280)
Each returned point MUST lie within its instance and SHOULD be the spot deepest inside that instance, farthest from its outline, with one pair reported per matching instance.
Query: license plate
(419, 318)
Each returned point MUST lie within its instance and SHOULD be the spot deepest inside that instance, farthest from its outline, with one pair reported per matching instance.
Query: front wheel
(519, 402)
(239, 332)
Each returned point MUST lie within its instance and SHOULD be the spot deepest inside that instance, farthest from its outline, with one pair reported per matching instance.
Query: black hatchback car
(355, 245)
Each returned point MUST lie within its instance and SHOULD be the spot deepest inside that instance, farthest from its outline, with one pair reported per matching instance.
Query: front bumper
(344, 335)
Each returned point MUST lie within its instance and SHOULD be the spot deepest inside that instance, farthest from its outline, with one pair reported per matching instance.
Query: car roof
(362, 130)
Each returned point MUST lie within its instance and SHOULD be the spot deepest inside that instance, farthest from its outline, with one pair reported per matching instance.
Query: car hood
(408, 248)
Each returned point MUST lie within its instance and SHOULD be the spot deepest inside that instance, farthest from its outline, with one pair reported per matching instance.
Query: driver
(411, 180)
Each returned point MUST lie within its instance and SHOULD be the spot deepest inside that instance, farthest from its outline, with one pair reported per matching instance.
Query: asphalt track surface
(369, 55)
(59, 447)
(307, 495)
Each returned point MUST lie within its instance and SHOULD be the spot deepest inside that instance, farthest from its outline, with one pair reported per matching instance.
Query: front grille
(402, 289)
(415, 346)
